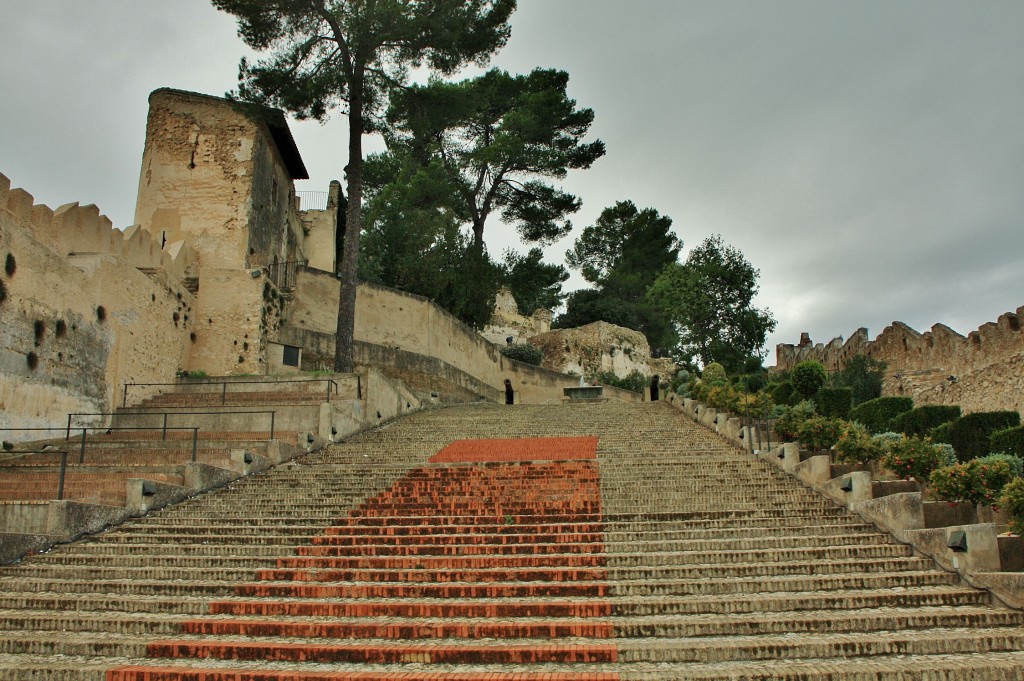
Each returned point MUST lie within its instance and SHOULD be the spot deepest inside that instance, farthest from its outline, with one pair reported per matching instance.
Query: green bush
(921, 420)
(863, 375)
(633, 381)
(523, 352)
(820, 432)
(808, 378)
(787, 426)
(857, 445)
(912, 457)
(941, 433)
(714, 373)
(1012, 501)
(1007, 441)
(977, 481)
(1016, 463)
(876, 414)
(754, 382)
(970, 434)
(834, 402)
(783, 393)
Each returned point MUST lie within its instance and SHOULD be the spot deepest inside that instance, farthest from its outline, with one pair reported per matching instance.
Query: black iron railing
(163, 417)
(68, 444)
(332, 386)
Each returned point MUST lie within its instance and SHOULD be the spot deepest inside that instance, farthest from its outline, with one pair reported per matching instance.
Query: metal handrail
(62, 471)
(224, 386)
(164, 428)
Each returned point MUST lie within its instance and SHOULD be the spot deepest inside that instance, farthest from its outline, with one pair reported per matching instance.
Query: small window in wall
(291, 356)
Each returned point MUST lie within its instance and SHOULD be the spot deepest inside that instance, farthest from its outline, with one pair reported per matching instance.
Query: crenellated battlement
(73, 229)
(982, 370)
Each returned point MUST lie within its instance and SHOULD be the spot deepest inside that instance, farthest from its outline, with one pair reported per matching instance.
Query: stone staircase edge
(900, 524)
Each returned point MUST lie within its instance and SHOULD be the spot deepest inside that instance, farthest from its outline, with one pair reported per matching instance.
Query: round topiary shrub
(1012, 501)
(820, 432)
(714, 373)
(857, 445)
(1008, 441)
(808, 378)
(787, 426)
(783, 393)
(523, 352)
(912, 457)
(970, 434)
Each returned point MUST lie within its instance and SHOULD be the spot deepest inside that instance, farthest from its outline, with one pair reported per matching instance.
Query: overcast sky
(867, 157)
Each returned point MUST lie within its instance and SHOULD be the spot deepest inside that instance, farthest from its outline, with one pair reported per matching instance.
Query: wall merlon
(986, 365)
(19, 203)
(74, 228)
(5, 189)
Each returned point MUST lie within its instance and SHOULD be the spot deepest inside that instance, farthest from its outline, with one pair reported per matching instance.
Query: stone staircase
(571, 542)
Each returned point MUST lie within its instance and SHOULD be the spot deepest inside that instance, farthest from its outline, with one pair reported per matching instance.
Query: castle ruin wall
(79, 318)
(983, 371)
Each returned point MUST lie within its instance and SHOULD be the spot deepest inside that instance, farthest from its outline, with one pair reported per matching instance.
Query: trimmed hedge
(1007, 441)
(834, 402)
(970, 434)
(941, 433)
(877, 414)
(921, 420)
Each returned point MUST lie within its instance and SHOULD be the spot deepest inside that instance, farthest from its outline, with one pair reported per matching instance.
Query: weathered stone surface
(600, 347)
(983, 371)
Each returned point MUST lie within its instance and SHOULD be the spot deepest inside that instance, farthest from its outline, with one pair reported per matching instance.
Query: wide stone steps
(583, 643)
(992, 667)
(162, 624)
(668, 556)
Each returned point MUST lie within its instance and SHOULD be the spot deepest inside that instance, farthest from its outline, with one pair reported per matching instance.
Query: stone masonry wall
(197, 175)
(600, 347)
(78, 318)
(983, 371)
(417, 327)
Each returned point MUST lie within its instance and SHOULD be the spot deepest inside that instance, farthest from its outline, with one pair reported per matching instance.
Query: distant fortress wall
(981, 372)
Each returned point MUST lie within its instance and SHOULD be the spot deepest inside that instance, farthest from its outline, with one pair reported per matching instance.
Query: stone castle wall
(79, 308)
(415, 329)
(982, 371)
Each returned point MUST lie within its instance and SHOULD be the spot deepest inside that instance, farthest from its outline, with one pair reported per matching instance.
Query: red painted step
(516, 534)
(385, 654)
(405, 630)
(520, 608)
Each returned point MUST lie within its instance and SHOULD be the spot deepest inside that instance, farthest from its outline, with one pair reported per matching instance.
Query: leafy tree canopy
(500, 138)
(709, 299)
(349, 54)
(863, 375)
(413, 242)
(534, 284)
(622, 253)
(626, 240)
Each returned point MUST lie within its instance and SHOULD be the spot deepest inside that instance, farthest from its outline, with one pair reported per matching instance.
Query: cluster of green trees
(463, 156)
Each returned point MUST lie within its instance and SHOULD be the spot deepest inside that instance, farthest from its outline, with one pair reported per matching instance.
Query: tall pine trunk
(344, 358)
